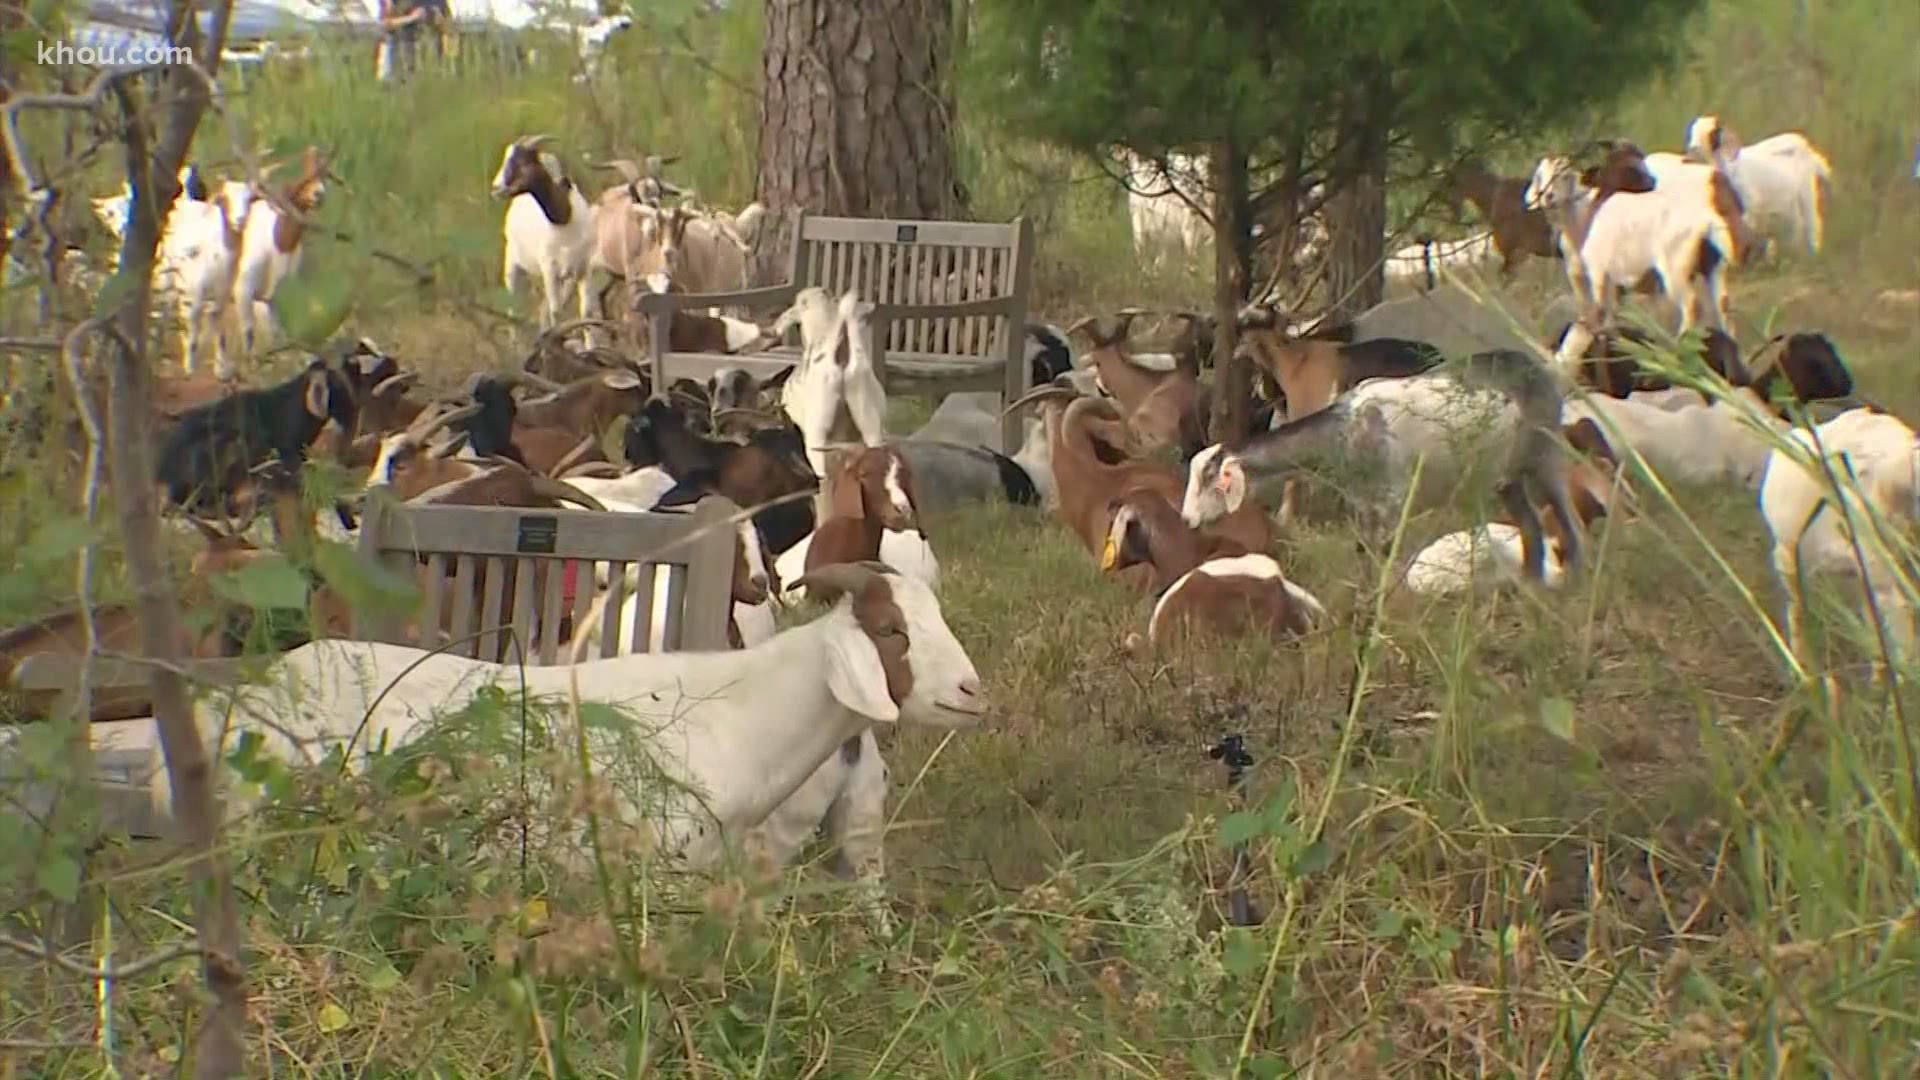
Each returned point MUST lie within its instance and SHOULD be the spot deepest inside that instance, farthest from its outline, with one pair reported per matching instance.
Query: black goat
(1048, 354)
(213, 448)
(1810, 364)
(489, 432)
(771, 462)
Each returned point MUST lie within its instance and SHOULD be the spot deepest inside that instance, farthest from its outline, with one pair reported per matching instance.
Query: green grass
(1600, 833)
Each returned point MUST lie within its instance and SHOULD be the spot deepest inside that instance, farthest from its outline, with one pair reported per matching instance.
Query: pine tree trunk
(1356, 274)
(1232, 280)
(1357, 216)
(855, 116)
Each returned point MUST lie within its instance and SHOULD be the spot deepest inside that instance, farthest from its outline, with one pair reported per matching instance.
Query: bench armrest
(771, 296)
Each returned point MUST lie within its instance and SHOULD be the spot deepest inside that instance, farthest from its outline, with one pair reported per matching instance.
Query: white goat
(1782, 180)
(1627, 235)
(836, 395)
(1691, 444)
(1161, 204)
(1481, 559)
(195, 261)
(740, 731)
(1813, 535)
(548, 229)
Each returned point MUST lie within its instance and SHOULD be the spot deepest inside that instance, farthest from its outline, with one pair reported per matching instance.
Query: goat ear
(845, 499)
(319, 394)
(855, 676)
(622, 379)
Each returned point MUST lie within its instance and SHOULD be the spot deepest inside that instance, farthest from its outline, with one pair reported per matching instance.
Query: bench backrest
(484, 567)
(915, 263)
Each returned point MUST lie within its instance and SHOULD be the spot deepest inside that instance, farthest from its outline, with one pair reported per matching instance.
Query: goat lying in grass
(1091, 460)
(1880, 506)
(1202, 583)
(1493, 555)
(735, 733)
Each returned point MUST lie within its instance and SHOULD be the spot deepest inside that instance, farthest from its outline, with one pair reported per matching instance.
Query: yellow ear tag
(1109, 554)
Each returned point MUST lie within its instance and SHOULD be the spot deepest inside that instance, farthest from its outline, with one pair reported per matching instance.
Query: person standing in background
(403, 22)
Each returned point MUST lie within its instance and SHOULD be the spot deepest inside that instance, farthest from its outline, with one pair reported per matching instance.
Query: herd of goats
(834, 504)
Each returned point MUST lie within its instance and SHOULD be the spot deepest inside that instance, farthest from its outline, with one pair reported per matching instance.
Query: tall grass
(1603, 833)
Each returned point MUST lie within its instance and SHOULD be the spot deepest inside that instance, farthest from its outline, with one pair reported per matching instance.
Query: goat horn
(561, 330)
(593, 469)
(829, 582)
(572, 457)
(563, 492)
(754, 414)
(1040, 393)
(402, 380)
(532, 142)
(625, 167)
(206, 529)
(430, 423)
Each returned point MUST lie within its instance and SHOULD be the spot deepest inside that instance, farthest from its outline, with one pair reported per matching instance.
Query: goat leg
(1513, 495)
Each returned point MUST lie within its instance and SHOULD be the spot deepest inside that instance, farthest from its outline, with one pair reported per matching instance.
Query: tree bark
(220, 1050)
(1357, 216)
(1232, 280)
(856, 117)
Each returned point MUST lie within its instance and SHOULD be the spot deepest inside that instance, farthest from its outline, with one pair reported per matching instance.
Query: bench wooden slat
(60, 673)
(928, 329)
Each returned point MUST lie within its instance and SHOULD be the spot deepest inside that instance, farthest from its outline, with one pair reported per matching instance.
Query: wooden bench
(458, 554)
(472, 561)
(126, 753)
(950, 305)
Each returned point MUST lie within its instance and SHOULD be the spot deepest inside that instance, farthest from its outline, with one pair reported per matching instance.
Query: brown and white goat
(872, 515)
(548, 229)
(1203, 584)
(272, 244)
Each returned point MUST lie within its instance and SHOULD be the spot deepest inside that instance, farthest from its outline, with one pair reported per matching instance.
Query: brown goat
(585, 405)
(1091, 461)
(1519, 231)
(1163, 407)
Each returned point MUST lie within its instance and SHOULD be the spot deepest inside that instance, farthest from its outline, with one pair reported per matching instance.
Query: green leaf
(117, 290)
(58, 539)
(1241, 954)
(59, 876)
(312, 307)
(598, 715)
(362, 584)
(1267, 1066)
(1241, 827)
(1390, 923)
(267, 583)
(1556, 716)
(331, 1018)
(1317, 857)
